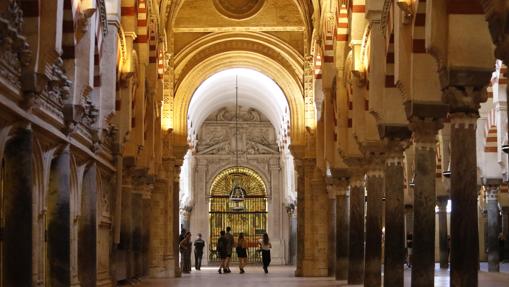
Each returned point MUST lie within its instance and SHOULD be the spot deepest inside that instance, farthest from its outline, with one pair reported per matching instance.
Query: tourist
(265, 247)
(185, 249)
(229, 248)
(242, 252)
(221, 251)
(199, 244)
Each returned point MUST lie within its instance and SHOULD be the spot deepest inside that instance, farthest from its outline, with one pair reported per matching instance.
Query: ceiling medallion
(238, 9)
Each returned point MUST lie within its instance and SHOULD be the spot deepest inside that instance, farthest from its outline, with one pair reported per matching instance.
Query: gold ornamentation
(238, 9)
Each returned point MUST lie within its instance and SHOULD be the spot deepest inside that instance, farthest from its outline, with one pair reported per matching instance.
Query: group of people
(225, 245)
(185, 246)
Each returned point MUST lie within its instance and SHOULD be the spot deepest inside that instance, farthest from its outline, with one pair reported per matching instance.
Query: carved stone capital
(496, 15)
(425, 132)
(464, 90)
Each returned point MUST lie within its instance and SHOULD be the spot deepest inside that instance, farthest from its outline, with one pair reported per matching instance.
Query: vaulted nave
(368, 139)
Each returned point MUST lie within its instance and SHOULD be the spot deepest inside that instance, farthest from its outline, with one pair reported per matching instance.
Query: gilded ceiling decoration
(238, 9)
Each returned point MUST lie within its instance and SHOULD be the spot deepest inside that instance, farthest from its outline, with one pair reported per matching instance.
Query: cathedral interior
(368, 138)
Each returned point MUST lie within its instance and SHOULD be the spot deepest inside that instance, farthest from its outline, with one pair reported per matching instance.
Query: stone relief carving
(15, 53)
(256, 135)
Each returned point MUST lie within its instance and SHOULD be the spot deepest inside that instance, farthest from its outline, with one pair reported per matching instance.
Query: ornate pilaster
(463, 91)
(443, 239)
(423, 247)
(493, 228)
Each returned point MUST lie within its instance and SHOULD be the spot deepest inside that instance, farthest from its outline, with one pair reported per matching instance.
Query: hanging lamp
(237, 194)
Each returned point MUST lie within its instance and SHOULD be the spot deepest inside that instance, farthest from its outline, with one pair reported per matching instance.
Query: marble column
(505, 231)
(137, 221)
(443, 238)
(423, 239)
(59, 221)
(342, 229)
(356, 236)
(464, 227)
(147, 207)
(373, 258)
(331, 255)
(493, 229)
(126, 240)
(394, 244)
(463, 91)
(17, 209)
(87, 234)
(174, 228)
(158, 231)
(301, 211)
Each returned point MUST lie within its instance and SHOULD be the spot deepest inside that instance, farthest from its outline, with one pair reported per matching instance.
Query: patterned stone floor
(283, 277)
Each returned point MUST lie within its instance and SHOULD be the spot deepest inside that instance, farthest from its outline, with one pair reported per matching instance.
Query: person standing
(185, 249)
(199, 244)
(229, 247)
(242, 252)
(265, 247)
(221, 251)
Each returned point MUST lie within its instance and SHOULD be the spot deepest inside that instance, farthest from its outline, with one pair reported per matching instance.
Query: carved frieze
(15, 54)
(256, 135)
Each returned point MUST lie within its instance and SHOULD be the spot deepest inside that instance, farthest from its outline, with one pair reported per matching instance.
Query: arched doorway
(248, 215)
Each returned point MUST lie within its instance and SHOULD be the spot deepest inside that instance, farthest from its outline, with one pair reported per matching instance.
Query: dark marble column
(137, 221)
(373, 259)
(493, 229)
(17, 210)
(126, 233)
(87, 234)
(342, 231)
(299, 170)
(394, 221)
(356, 236)
(505, 232)
(464, 227)
(423, 239)
(443, 238)
(147, 206)
(463, 91)
(332, 234)
(59, 221)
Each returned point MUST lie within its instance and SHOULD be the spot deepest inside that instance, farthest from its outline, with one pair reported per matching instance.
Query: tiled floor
(283, 277)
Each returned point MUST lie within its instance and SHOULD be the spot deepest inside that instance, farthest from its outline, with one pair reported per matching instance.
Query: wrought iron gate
(248, 216)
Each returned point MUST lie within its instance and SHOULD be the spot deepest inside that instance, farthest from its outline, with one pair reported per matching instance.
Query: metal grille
(251, 219)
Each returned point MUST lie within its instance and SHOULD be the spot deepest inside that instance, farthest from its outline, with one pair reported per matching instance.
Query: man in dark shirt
(229, 247)
(198, 251)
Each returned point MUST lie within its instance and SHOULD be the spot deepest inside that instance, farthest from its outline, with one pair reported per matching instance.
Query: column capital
(425, 132)
(464, 89)
(336, 185)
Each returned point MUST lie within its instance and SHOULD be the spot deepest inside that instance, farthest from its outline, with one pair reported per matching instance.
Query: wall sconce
(505, 148)
(407, 10)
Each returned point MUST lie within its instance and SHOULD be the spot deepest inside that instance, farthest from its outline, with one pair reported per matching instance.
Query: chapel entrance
(246, 212)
